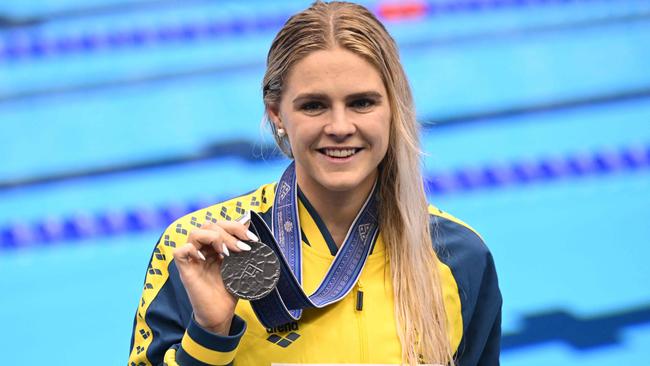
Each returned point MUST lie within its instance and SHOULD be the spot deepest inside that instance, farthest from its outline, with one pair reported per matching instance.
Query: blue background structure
(119, 115)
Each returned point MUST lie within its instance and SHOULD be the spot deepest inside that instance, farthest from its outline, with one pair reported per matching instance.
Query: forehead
(333, 71)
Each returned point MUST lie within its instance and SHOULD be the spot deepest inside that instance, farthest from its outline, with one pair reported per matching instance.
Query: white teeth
(339, 153)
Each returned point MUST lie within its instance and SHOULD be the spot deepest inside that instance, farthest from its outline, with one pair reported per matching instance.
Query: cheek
(302, 133)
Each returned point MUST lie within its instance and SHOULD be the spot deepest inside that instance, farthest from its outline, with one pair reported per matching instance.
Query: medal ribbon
(285, 303)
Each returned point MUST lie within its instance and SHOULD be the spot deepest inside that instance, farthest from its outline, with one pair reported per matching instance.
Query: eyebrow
(309, 96)
(366, 94)
(322, 96)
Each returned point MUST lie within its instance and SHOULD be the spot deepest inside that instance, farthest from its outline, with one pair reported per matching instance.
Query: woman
(425, 288)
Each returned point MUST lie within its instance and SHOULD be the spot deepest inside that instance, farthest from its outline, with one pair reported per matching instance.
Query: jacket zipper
(363, 337)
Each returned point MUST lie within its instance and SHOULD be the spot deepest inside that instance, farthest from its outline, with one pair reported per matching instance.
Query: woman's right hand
(199, 265)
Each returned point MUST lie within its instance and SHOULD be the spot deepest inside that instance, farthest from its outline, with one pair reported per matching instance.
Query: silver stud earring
(281, 132)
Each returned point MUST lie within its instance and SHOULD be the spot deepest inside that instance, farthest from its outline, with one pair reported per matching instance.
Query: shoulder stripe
(157, 275)
(438, 212)
(260, 200)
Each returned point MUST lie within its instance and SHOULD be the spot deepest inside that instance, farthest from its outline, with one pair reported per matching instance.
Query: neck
(337, 209)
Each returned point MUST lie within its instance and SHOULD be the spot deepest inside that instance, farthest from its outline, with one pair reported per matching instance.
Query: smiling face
(335, 111)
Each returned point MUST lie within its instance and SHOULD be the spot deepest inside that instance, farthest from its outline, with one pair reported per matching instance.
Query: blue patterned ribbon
(285, 303)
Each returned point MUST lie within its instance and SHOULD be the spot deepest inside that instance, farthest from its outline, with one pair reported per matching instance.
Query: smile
(340, 153)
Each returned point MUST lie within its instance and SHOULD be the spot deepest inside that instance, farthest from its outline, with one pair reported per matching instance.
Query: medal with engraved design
(251, 275)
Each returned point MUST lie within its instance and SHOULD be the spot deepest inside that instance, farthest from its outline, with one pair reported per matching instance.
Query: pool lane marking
(45, 232)
(18, 44)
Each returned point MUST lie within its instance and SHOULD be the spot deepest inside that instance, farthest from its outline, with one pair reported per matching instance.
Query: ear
(273, 111)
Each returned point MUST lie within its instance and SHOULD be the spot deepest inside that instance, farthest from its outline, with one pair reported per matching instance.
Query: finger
(188, 253)
(210, 237)
(225, 242)
(233, 244)
(209, 252)
(245, 220)
(238, 229)
(232, 234)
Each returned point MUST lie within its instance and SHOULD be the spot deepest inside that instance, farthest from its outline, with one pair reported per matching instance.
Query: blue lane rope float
(548, 169)
(106, 224)
(33, 44)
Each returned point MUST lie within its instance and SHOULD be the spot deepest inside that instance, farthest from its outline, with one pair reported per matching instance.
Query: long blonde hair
(404, 218)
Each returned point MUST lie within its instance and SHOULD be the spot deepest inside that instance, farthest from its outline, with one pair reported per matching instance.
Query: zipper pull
(359, 306)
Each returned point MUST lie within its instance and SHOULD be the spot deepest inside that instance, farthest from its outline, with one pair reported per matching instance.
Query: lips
(339, 152)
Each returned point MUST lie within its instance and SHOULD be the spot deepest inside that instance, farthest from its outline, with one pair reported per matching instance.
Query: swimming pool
(536, 125)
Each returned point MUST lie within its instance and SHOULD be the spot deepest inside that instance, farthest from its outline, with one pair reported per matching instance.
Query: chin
(342, 182)
(339, 186)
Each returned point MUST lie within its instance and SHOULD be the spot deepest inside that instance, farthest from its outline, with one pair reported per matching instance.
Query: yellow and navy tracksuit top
(360, 328)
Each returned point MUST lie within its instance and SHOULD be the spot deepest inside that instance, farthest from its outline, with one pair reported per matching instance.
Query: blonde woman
(386, 278)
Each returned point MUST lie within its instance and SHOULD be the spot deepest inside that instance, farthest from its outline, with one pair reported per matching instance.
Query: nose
(339, 126)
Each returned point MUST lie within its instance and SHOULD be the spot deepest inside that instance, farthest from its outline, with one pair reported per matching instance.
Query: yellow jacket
(357, 329)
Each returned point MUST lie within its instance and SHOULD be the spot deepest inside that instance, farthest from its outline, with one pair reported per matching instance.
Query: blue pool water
(87, 132)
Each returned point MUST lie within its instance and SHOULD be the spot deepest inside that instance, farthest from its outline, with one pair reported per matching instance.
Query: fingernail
(243, 246)
(252, 236)
(201, 255)
(245, 218)
(225, 249)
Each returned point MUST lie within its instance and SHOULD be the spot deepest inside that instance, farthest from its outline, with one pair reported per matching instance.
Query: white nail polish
(201, 256)
(243, 246)
(245, 218)
(252, 236)
(225, 249)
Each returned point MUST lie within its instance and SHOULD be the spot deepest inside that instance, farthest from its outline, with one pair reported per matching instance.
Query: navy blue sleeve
(473, 268)
(482, 329)
(168, 315)
(163, 322)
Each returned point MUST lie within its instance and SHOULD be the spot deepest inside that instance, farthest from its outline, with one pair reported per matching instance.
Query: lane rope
(52, 230)
(33, 43)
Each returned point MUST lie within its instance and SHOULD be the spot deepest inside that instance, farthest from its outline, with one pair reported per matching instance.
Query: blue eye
(312, 106)
(363, 104)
